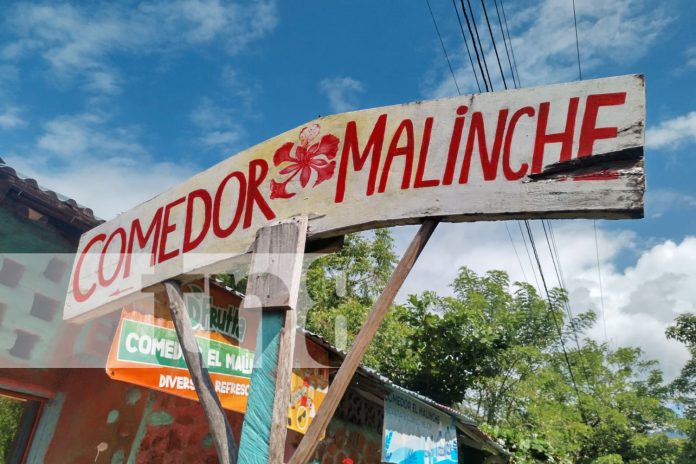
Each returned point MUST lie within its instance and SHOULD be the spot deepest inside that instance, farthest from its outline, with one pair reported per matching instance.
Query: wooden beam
(276, 266)
(273, 286)
(379, 310)
(217, 420)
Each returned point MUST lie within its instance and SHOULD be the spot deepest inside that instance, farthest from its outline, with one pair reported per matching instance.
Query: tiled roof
(47, 202)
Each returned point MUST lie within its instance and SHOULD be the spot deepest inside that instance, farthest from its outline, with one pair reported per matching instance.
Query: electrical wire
(594, 222)
(599, 277)
(495, 48)
(478, 39)
(556, 324)
(505, 42)
(483, 67)
(437, 29)
(577, 40)
(476, 48)
(512, 50)
(466, 42)
(519, 261)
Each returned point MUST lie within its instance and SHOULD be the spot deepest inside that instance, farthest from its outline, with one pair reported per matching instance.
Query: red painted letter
(588, 132)
(77, 293)
(253, 194)
(507, 169)
(217, 228)
(351, 147)
(191, 243)
(103, 281)
(394, 150)
(565, 138)
(136, 233)
(168, 228)
(420, 171)
(489, 164)
(454, 146)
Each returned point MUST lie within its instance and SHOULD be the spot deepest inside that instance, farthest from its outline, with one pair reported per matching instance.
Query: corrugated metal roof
(467, 421)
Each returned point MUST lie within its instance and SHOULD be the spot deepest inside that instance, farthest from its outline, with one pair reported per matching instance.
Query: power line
(495, 48)
(507, 51)
(599, 276)
(555, 322)
(519, 261)
(577, 41)
(594, 222)
(529, 257)
(478, 39)
(556, 260)
(466, 42)
(581, 362)
(512, 50)
(527, 225)
(437, 29)
(476, 49)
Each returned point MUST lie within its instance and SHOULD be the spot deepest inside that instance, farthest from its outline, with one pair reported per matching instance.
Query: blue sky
(111, 103)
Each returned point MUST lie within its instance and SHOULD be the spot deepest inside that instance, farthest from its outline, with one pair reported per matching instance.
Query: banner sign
(146, 352)
(562, 151)
(416, 433)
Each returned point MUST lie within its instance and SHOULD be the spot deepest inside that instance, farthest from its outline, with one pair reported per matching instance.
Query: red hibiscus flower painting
(313, 156)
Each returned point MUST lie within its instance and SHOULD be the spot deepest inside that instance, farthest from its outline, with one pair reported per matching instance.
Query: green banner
(159, 346)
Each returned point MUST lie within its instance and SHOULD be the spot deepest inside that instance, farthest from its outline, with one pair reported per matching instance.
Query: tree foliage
(10, 414)
(513, 360)
(684, 386)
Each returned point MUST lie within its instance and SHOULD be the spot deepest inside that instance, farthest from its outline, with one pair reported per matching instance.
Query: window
(19, 414)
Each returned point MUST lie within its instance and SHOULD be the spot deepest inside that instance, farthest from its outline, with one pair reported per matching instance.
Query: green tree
(10, 414)
(684, 386)
(343, 286)
(501, 353)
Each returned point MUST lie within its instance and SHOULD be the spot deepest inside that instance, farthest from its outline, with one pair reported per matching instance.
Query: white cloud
(690, 55)
(87, 136)
(543, 39)
(216, 125)
(100, 166)
(640, 301)
(244, 90)
(672, 133)
(660, 201)
(81, 41)
(342, 92)
(10, 118)
(108, 187)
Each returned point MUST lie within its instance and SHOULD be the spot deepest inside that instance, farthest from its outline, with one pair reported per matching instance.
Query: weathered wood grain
(274, 282)
(217, 421)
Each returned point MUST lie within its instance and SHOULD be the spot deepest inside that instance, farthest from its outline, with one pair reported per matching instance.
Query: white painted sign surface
(562, 151)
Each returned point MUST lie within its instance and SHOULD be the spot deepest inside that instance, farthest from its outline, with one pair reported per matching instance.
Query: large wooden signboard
(571, 150)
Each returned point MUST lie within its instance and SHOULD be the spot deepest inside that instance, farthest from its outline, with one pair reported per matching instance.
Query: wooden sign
(562, 151)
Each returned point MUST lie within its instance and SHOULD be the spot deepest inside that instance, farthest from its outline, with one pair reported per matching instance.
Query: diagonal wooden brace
(350, 364)
(217, 420)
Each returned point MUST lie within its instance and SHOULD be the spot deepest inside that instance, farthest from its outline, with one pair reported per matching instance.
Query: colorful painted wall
(93, 419)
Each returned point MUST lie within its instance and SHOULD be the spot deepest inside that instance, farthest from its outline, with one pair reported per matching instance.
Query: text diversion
(493, 155)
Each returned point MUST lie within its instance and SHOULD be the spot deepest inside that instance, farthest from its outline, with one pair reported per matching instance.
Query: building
(59, 405)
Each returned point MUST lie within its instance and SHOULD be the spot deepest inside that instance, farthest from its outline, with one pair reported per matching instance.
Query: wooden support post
(273, 288)
(350, 364)
(217, 420)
